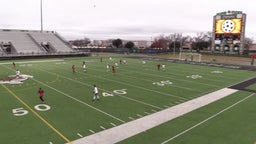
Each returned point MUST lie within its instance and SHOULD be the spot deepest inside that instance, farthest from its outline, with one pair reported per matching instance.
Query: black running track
(242, 86)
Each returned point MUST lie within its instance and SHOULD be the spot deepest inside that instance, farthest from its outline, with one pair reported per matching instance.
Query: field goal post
(190, 56)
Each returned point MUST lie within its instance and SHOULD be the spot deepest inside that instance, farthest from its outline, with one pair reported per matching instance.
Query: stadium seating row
(32, 42)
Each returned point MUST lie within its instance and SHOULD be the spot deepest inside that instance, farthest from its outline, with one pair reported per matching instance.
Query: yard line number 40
(22, 111)
(118, 92)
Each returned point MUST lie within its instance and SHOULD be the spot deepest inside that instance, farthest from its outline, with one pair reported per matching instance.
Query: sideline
(124, 131)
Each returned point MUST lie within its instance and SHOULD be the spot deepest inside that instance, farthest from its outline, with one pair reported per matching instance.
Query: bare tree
(247, 42)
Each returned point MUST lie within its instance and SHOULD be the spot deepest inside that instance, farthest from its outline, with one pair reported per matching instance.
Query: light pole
(41, 12)
(180, 42)
(174, 44)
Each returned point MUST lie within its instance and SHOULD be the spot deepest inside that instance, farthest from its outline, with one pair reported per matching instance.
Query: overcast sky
(125, 19)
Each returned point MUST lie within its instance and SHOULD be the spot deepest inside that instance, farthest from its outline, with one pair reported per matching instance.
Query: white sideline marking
(102, 127)
(113, 124)
(79, 135)
(139, 115)
(147, 113)
(126, 130)
(154, 110)
(131, 118)
(92, 131)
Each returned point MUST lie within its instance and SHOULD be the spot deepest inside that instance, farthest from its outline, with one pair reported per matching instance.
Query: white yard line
(79, 101)
(124, 131)
(213, 116)
(143, 88)
(138, 101)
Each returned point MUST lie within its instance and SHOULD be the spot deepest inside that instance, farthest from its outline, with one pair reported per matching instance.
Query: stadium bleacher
(52, 41)
(28, 42)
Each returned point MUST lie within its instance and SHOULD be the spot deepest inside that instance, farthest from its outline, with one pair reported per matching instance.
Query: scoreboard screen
(228, 26)
(228, 31)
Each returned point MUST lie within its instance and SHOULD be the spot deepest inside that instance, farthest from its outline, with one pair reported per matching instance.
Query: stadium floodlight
(41, 12)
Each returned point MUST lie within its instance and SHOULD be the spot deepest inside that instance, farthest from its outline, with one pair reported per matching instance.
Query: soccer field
(135, 90)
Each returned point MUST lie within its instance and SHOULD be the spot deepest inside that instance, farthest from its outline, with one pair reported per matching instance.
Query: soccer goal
(190, 57)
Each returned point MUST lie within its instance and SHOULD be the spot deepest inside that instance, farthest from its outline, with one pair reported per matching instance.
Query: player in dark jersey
(113, 69)
(73, 68)
(158, 66)
(41, 94)
(13, 64)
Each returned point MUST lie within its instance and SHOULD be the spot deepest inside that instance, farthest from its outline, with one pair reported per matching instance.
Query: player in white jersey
(108, 67)
(116, 64)
(17, 73)
(163, 67)
(84, 67)
(95, 93)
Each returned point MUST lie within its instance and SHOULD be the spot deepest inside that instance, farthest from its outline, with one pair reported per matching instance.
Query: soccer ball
(228, 26)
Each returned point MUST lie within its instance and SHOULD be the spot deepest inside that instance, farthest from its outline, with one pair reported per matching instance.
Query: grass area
(226, 121)
(135, 89)
(252, 87)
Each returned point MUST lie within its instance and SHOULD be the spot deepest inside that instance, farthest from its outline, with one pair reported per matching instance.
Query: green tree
(129, 45)
(117, 43)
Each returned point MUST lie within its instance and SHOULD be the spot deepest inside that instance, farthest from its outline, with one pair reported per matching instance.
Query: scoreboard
(228, 32)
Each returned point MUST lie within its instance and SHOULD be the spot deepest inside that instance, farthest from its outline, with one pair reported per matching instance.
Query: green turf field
(135, 90)
(252, 87)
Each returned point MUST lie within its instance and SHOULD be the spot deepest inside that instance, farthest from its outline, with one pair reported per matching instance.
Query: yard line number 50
(22, 111)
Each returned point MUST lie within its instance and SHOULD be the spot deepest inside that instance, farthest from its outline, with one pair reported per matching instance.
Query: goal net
(196, 57)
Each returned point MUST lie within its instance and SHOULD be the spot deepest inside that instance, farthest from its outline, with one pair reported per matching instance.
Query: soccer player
(113, 69)
(73, 68)
(95, 93)
(17, 73)
(84, 67)
(13, 64)
(124, 61)
(158, 66)
(108, 66)
(41, 94)
(116, 64)
(163, 67)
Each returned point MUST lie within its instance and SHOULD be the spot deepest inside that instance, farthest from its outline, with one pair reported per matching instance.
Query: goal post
(190, 57)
